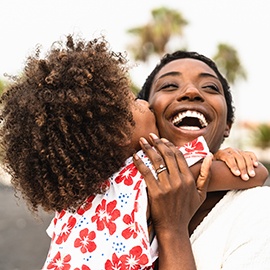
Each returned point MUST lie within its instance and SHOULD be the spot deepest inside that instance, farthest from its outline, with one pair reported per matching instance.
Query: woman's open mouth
(190, 120)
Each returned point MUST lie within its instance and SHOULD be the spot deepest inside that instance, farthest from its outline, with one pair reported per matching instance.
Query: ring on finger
(161, 168)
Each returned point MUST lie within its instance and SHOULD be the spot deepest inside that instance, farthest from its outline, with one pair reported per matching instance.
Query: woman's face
(145, 121)
(188, 100)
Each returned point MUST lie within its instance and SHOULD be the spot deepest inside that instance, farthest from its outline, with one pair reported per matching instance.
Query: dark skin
(218, 184)
(212, 199)
(183, 89)
(176, 182)
(181, 191)
(189, 85)
(215, 193)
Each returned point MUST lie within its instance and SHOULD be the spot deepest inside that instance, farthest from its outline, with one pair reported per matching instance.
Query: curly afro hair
(66, 123)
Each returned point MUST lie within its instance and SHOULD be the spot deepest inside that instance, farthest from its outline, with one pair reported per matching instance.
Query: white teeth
(190, 128)
(179, 117)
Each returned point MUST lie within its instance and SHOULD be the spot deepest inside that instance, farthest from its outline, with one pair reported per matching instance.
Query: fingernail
(136, 157)
(252, 173)
(245, 177)
(164, 140)
(154, 136)
(237, 172)
(143, 140)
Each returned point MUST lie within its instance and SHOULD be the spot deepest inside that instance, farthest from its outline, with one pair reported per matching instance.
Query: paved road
(23, 240)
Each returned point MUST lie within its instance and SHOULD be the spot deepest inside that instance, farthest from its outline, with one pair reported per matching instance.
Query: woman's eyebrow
(171, 73)
(177, 73)
(206, 74)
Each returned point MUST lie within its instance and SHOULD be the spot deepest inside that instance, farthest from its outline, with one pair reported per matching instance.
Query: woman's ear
(227, 130)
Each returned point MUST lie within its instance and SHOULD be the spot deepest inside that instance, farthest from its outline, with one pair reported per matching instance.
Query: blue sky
(244, 24)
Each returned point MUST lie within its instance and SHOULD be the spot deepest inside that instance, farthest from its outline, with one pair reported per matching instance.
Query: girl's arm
(241, 163)
(230, 167)
(223, 179)
(175, 196)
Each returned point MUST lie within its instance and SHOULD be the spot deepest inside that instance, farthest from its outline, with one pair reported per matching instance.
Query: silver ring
(161, 168)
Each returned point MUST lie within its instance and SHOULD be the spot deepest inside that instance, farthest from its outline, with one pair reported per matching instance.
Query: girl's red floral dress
(109, 231)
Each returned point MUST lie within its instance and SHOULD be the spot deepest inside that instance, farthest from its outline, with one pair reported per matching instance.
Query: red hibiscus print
(53, 236)
(66, 230)
(84, 267)
(138, 188)
(134, 260)
(61, 214)
(132, 228)
(59, 263)
(194, 145)
(127, 175)
(86, 206)
(138, 184)
(145, 244)
(105, 185)
(114, 264)
(105, 216)
(85, 242)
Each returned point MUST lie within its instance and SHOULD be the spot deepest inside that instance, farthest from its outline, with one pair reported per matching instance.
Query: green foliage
(153, 37)
(2, 87)
(229, 63)
(168, 24)
(135, 89)
(261, 136)
(267, 165)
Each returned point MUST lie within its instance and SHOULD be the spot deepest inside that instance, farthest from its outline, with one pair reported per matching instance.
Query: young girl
(69, 123)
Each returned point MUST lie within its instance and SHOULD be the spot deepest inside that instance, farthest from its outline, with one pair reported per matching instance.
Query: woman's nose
(191, 93)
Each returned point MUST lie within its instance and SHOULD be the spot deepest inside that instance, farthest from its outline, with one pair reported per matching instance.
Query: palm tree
(261, 136)
(229, 63)
(165, 24)
(153, 37)
(2, 87)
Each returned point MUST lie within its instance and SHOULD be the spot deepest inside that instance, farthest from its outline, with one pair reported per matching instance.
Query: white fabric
(235, 235)
(110, 230)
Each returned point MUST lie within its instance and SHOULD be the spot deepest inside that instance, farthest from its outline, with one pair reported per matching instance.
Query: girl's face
(145, 121)
(188, 100)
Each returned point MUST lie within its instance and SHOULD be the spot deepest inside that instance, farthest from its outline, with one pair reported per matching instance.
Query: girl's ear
(126, 141)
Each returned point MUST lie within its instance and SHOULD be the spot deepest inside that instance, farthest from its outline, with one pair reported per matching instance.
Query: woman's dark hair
(145, 91)
(65, 123)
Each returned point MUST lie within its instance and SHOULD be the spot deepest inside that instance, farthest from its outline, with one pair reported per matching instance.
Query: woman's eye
(212, 87)
(168, 86)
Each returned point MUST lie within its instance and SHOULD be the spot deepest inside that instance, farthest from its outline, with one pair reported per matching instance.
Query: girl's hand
(175, 196)
(241, 163)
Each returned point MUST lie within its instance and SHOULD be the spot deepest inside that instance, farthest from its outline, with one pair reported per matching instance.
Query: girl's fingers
(241, 163)
(251, 161)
